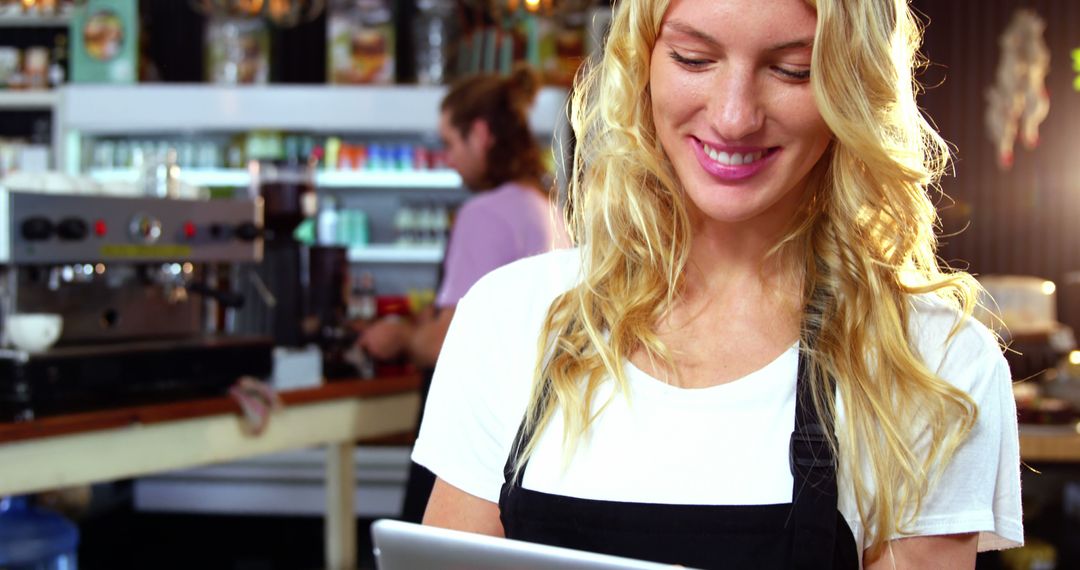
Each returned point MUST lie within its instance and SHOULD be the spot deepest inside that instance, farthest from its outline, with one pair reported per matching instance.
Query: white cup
(33, 332)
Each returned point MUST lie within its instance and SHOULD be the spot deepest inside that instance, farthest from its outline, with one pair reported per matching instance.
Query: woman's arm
(927, 552)
(450, 507)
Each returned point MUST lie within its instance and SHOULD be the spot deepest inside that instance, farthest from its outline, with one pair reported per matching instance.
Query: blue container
(35, 539)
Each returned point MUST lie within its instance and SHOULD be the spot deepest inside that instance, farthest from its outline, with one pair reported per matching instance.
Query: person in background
(754, 358)
(484, 126)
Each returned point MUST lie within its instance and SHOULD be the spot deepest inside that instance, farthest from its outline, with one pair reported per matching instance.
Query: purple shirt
(494, 228)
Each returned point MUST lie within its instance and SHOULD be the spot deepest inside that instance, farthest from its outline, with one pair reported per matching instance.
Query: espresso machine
(146, 291)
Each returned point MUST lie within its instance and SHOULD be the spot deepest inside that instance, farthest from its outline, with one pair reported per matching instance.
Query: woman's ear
(480, 134)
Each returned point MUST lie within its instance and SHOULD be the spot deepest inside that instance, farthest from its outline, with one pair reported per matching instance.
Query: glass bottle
(435, 38)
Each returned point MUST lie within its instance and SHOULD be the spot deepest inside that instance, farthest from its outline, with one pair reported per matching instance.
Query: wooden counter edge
(155, 413)
(1061, 447)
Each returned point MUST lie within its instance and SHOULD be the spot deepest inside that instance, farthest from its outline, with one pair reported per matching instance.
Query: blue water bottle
(35, 539)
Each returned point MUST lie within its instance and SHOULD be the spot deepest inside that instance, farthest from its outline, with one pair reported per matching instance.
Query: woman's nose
(736, 109)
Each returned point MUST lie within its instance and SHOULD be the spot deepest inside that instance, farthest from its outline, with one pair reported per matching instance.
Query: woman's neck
(735, 260)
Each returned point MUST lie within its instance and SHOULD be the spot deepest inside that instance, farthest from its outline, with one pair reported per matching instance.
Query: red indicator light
(189, 229)
(100, 229)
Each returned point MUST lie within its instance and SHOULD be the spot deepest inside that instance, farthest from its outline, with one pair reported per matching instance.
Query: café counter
(106, 445)
(1050, 444)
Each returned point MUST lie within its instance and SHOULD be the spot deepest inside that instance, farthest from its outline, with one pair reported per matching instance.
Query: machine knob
(248, 231)
(218, 231)
(145, 228)
(72, 229)
(37, 228)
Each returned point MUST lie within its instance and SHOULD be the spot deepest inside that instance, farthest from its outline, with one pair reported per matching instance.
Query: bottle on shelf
(353, 227)
(376, 157)
(422, 225)
(435, 33)
(57, 69)
(440, 225)
(161, 176)
(405, 225)
(36, 67)
(331, 153)
(362, 307)
(326, 232)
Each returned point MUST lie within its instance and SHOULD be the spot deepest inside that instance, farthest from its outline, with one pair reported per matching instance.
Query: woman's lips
(733, 163)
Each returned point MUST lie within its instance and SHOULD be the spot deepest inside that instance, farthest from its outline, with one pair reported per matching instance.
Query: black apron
(807, 533)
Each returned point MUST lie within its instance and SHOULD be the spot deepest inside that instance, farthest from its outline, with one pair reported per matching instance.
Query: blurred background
(326, 111)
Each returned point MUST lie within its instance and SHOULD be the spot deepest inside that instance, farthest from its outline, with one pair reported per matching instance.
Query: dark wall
(1025, 220)
(173, 41)
(174, 44)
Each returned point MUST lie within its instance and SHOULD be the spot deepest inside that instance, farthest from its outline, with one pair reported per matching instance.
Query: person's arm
(420, 339)
(450, 507)
(428, 336)
(927, 552)
(388, 337)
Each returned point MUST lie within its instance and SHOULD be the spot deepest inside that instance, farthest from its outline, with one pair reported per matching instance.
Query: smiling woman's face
(733, 107)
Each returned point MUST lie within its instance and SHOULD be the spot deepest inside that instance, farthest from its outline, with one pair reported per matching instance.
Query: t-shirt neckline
(764, 379)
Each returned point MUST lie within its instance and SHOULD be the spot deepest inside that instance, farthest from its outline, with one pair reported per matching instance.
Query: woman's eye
(796, 74)
(686, 61)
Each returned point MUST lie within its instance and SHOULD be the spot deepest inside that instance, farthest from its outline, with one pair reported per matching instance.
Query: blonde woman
(752, 360)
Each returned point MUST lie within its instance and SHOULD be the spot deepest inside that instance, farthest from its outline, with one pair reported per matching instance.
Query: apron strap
(813, 466)
(517, 447)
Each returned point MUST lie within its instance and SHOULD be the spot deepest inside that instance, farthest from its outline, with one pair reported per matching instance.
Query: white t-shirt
(665, 444)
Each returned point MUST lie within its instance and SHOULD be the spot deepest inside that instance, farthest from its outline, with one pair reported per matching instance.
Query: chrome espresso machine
(145, 288)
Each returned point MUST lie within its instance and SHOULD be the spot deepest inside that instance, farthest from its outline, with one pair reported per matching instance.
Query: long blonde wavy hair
(863, 245)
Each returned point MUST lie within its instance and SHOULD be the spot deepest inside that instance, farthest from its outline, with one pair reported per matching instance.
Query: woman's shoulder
(950, 343)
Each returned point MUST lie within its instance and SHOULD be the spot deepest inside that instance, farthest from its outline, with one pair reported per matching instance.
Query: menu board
(360, 42)
(104, 41)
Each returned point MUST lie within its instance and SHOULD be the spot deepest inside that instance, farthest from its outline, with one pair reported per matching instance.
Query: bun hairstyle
(503, 103)
(522, 86)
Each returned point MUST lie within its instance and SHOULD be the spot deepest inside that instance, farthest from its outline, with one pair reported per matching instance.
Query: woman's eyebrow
(795, 44)
(684, 28)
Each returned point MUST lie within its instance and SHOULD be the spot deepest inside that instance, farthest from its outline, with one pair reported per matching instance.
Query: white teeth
(733, 159)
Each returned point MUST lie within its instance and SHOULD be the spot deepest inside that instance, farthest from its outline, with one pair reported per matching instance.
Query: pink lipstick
(732, 163)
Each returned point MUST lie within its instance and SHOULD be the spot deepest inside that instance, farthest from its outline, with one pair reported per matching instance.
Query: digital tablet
(406, 546)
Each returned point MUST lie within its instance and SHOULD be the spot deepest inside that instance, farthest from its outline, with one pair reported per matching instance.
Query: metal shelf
(419, 179)
(30, 100)
(34, 21)
(194, 176)
(406, 109)
(396, 254)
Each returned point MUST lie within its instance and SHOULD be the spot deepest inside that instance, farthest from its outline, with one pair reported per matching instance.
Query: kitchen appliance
(144, 287)
(299, 291)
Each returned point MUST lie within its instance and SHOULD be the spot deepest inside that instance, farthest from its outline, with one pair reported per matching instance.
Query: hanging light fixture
(37, 6)
(283, 13)
(545, 8)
